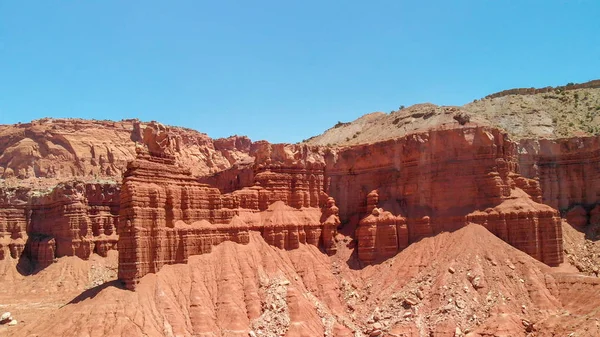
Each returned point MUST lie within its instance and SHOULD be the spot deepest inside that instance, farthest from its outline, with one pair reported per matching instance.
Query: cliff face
(567, 170)
(392, 193)
(60, 181)
(166, 215)
(244, 232)
(437, 181)
(77, 219)
(73, 219)
(13, 222)
(399, 191)
(60, 149)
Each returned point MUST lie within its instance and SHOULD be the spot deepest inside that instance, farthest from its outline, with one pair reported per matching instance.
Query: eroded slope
(565, 111)
(467, 281)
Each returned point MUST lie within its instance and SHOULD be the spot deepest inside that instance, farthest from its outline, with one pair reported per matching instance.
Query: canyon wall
(568, 170)
(79, 219)
(60, 181)
(401, 190)
(436, 181)
(389, 194)
(13, 222)
(167, 215)
(72, 219)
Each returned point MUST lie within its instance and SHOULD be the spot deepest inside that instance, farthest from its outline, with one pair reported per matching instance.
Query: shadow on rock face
(92, 292)
(25, 267)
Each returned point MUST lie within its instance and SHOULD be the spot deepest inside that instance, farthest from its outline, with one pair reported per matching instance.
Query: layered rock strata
(78, 219)
(438, 181)
(568, 170)
(167, 215)
(57, 150)
(393, 192)
(13, 222)
(72, 219)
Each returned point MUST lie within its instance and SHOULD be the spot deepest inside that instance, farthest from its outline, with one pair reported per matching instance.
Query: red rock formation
(566, 170)
(166, 215)
(60, 149)
(439, 180)
(425, 183)
(380, 235)
(330, 221)
(529, 226)
(80, 219)
(396, 192)
(13, 222)
(74, 218)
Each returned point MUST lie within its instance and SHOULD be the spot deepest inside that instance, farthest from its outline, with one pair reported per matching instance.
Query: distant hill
(571, 110)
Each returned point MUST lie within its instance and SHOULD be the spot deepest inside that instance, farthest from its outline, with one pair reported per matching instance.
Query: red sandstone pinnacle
(330, 221)
(379, 236)
(159, 141)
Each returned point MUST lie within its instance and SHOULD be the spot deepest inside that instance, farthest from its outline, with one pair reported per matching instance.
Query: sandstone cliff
(392, 192)
(60, 181)
(73, 219)
(399, 191)
(166, 215)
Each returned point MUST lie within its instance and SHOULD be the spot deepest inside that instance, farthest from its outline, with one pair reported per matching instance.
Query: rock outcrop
(78, 219)
(60, 181)
(167, 215)
(13, 222)
(440, 203)
(393, 192)
(534, 91)
(567, 170)
(72, 219)
(439, 181)
(57, 150)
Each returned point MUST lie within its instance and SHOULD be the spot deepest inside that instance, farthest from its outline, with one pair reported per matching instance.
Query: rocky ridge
(528, 113)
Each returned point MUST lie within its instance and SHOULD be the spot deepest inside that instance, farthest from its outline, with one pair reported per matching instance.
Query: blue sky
(281, 70)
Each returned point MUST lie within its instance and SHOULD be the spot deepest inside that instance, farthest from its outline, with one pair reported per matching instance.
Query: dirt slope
(523, 113)
(468, 281)
(560, 113)
(379, 126)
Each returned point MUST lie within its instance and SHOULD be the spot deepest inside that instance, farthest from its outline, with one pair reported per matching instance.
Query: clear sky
(281, 70)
